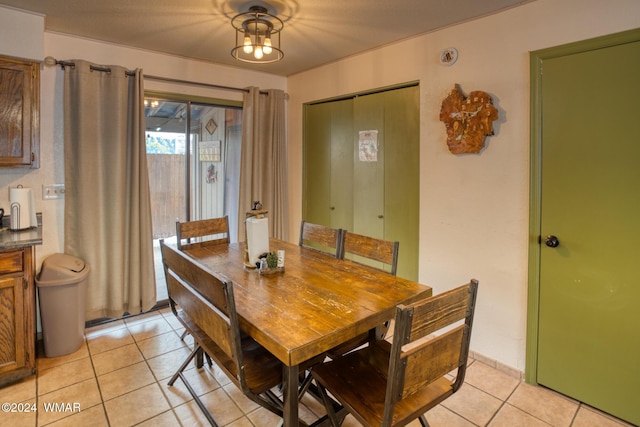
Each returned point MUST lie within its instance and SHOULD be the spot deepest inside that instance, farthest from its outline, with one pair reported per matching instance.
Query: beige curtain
(263, 167)
(107, 200)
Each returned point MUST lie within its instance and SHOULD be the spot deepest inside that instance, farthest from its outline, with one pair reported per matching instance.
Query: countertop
(18, 239)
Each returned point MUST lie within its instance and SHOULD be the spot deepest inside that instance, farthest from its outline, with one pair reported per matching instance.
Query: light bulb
(248, 48)
(258, 52)
(267, 45)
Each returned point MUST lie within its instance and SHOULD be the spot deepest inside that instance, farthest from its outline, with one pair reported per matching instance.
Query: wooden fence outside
(168, 201)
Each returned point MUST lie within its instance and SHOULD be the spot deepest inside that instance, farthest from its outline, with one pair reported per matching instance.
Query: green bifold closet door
(361, 168)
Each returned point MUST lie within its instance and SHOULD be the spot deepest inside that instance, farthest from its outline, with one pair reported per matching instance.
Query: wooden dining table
(315, 304)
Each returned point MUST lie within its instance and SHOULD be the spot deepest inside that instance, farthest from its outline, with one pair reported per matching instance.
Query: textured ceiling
(315, 32)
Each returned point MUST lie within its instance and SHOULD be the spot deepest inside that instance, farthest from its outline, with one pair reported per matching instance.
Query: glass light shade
(248, 47)
(267, 45)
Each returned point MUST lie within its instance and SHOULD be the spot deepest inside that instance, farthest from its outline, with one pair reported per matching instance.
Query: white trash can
(62, 294)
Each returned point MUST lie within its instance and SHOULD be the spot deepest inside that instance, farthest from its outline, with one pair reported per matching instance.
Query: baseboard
(512, 372)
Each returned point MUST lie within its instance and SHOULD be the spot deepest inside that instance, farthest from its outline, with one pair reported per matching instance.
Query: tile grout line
(95, 375)
(157, 380)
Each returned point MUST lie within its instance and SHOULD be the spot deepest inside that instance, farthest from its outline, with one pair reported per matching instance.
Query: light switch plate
(52, 191)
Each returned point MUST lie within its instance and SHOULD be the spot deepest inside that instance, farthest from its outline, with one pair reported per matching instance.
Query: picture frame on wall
(209, 151)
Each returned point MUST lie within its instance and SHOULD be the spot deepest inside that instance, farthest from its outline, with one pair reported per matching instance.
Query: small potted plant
(268, 264)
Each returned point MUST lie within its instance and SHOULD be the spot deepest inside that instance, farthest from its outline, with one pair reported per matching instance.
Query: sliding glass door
(193, 155)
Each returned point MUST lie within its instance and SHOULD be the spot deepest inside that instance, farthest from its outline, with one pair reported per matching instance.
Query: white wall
(21, 34)
(473, 208)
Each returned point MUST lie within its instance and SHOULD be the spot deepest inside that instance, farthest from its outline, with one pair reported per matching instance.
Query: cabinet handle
(380, 216)
(333, 208)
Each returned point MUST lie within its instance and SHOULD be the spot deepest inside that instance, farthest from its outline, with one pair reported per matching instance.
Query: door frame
(535, 179)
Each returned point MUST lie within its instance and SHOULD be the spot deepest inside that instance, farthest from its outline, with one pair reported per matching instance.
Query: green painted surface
(378, 198)
(368, 176)
(317, 164)
(589, 292)
(402, 176)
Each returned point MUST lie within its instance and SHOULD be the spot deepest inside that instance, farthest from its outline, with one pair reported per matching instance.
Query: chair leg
(423, 421)
(199, 358)
(184, 365)
(184, 334)
(196, 350)
(328, 404)
(304, 385)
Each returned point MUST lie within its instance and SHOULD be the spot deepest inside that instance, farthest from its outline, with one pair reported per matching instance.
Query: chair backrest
(384, 251)
(208, 307)
(321, 237)
(210, 231)
(430, 340)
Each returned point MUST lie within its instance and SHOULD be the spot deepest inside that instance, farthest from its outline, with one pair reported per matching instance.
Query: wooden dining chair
(391, 384)
(320, 237)
(371, 248)
(204, 304)
(383, 251)
(210, 231)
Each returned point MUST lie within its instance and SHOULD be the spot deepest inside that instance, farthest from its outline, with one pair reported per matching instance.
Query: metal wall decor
(468, 120)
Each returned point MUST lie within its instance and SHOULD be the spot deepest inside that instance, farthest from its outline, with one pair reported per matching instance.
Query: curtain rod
(50, 61)
(189, 82)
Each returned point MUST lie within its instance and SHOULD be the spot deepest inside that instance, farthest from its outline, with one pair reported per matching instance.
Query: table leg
(290, 395)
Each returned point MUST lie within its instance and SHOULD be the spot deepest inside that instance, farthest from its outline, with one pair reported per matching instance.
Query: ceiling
(315, 32)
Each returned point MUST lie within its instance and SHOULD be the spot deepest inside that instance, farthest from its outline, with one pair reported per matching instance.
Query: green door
(369, 141)
(366, 184)
(386, 187)
(589, 289)
(328, 164)
(317, 164)
(402, 176)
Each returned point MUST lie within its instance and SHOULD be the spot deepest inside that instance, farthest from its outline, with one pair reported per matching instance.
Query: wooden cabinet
(19, 113)
(17, 314)
(361, 168)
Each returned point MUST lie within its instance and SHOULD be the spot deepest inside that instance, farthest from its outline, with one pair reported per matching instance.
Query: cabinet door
(12, 321)
(19, 106)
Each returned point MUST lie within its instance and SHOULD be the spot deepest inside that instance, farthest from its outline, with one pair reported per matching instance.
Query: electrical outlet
(52, 191)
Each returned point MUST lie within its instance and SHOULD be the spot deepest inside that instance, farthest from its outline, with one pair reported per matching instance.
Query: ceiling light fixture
(257, 36)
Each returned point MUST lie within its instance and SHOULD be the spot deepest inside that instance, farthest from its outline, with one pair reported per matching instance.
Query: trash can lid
(61, 268)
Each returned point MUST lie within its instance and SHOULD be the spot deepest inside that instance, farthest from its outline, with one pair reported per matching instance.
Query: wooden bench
(204, 304)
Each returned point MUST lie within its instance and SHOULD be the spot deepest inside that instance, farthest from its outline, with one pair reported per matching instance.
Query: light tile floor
(119, 378)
